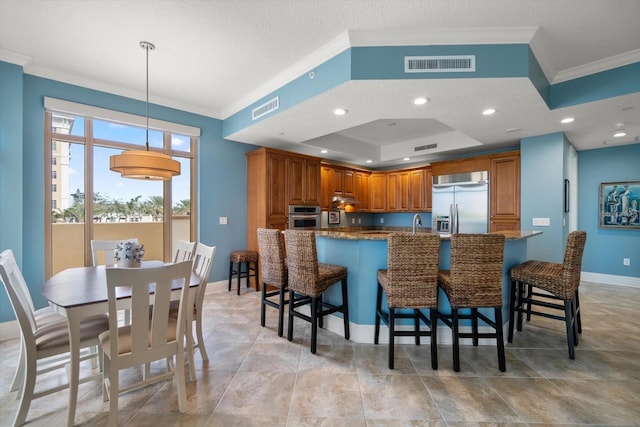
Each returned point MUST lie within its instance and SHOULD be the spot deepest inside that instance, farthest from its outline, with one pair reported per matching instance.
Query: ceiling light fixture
(489, 111)
(369, 161)
(340, 111)
(324, 151)
(567, 120)
(420, 101)
(619, 133)
(145, 164)
(406, 159)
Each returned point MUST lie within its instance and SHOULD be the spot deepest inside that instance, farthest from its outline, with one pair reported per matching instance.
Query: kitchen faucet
(416, 220)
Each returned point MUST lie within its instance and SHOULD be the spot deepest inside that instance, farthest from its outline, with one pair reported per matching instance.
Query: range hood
(341, 199)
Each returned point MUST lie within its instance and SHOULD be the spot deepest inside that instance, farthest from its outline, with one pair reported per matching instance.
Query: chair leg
(416, 326)
(178, 376)
(280, 310)
(456, 338)
(238, 277)
(230, 273)
(26, 390)
(376, 333)
(290, 326)
(314, 323)
(529, 296)
(433, 316)
(392, 330)
(263, 305)
(255, 275)
(574, 322)
(114, 386)
(512, 308)
(18, 376)
(569, 324)
(578, 316)
(500, 339)
(200, 345)
(474, 326)
(345, 308)
(321, 319)
(520, 307)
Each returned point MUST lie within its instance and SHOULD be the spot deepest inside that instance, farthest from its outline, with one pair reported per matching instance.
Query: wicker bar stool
(308, 279)
(274, 273)
(474, 281)
(410, 282)
(250, 261)
(559, 282)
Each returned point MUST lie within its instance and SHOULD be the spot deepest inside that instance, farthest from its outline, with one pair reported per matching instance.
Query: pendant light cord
(146, 47)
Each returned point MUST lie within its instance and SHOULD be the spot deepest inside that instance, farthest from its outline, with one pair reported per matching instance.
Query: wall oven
(304, 217)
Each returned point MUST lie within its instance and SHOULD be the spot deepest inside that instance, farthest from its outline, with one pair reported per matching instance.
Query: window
(118, 208)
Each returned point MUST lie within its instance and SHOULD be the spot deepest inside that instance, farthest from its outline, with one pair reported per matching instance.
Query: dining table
(81, 292)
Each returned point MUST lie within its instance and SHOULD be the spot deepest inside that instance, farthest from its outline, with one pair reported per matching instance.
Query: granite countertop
(382, 233)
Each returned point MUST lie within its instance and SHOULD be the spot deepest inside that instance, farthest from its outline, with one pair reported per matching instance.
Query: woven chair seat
(414, 294)
(547, 276)
(243, 256)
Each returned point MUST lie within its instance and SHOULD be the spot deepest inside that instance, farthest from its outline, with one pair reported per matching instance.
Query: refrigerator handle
(451, 219)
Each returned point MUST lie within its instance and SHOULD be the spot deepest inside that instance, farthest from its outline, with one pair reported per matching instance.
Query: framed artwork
(619, 204)
(334, 217)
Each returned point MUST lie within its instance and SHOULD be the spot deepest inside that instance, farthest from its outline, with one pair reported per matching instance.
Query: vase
(128, 254)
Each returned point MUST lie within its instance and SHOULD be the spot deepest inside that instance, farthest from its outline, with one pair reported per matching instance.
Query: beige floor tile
(321, 394)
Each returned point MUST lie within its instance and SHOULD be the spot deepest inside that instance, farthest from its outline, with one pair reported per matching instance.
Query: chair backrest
(271, 248)
(184, 251)
(107, 248)
(148, 332)
(16, 286)
(412, 269)
(202, 262)
(302, 260)
(476, 270)
(572, 265)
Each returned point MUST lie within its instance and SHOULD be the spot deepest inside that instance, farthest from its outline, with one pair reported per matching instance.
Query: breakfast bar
(364, 252)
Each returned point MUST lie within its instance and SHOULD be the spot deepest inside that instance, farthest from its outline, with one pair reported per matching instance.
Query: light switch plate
(542, 222)
(223, 220)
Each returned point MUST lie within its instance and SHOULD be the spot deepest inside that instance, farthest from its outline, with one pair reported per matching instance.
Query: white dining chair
(146, 339)
(202, 261)
(42, 341)
(102, 251)
(184, 251)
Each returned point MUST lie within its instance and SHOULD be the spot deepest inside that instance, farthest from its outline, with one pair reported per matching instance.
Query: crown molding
(14, 57)
(598, 66)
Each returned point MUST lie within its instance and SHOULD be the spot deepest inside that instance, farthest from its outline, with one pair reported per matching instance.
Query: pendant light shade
(145, 164)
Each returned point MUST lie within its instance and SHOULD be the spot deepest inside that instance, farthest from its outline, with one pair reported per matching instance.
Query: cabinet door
(393, 187)
(378, 184)
(416, 190)
(348, 183)
(296, 179)
(312, 183)
(428, 185)
(361, 190)
(326, 192)
(277, 199)
(505, 193)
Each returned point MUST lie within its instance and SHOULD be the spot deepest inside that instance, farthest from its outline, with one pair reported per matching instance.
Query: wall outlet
(541, 222)
(223, 220)
(353, 220)
(626, 261)
(381, 220)
(359, 220)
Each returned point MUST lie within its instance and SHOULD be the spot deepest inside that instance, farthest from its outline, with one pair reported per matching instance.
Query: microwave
(302, 217)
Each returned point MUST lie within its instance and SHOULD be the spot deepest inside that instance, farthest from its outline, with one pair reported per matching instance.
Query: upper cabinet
(304, 181)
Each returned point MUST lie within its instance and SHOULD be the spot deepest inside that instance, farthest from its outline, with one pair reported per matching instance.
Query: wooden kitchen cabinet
(504, 200)
(361, 190)
(378, 186)
(303, 181)
(417, 190)
(428, 185)
(276, 179)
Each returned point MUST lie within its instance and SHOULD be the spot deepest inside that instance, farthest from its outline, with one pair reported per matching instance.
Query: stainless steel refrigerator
(460, 203)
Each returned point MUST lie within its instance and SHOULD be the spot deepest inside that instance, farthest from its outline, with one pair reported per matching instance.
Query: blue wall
(222, 173)
(607, 247)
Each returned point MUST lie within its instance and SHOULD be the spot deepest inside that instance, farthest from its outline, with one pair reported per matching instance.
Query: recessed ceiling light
(406, 159)
(512, 130)
(420, 101)
(340, 111)
(488, 111)
(369, 161)
(324, 151)
(619, 133)
(567, 120)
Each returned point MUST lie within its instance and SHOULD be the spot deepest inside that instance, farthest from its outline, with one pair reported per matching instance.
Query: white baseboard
(9, 330)
(610, 279)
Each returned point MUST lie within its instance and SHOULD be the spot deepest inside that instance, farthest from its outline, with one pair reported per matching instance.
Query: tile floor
(255, 378)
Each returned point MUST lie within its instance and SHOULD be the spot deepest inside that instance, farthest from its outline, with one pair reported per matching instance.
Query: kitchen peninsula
(364, 251)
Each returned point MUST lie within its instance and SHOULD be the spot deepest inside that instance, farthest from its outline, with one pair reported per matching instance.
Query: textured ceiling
(216, 57)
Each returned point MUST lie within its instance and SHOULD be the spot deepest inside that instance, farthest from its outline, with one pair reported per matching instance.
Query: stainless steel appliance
(460, 203)
(304, 217)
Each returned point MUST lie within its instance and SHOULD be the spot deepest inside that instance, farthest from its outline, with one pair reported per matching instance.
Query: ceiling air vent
(265, 108)
(425, 147)
(439, 64)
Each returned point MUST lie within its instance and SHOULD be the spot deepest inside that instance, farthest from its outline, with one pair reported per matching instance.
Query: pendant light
(145, 164)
